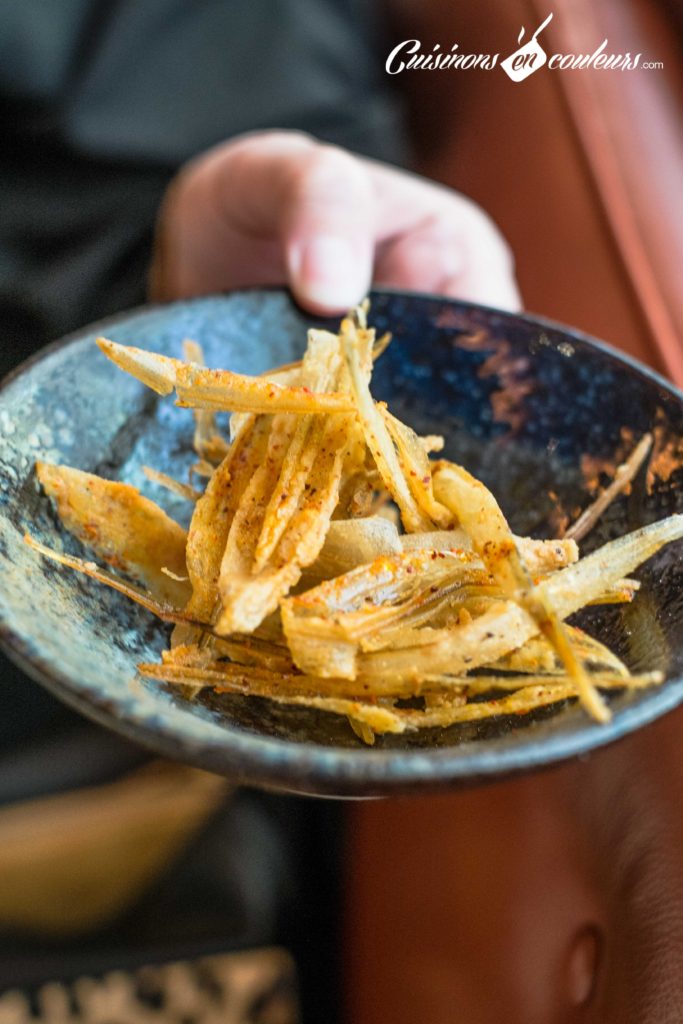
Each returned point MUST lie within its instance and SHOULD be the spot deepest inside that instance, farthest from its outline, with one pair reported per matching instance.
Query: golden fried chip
(127, 530)
(220, 390)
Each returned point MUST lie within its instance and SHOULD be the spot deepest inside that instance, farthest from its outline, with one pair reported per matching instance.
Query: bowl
(537, 410)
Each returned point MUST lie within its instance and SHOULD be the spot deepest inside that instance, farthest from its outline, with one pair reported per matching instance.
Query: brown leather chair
(582, 170)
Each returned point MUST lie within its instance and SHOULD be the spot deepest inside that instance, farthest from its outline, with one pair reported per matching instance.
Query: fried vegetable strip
(538, 694)
(243, 650)
(443, 709)
(380, 719)
(622, 478)
(289, 503)
(172, 485)
(208, 443)
(377, 435)
(220, 390)
(478, 512)
(539, 556)
(215, 511)
(247, 521)
(537, 655)
(320, 371)
(248, 596)
(521, 702)
(164, 612)
(353, 542)
(506, 625)
(604, 680)
(414, 462)
(125, 529)
(324, 626)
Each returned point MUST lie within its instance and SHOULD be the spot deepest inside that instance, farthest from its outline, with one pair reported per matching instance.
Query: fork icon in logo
(528, 58)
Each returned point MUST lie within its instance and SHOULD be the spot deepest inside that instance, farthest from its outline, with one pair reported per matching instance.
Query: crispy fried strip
(457, 606)
(478, 512)
(622, 478)
(537, 655)
(539, 556)
(353, 542)
(172, 485)
(258, 681)
(320, 371)
(284, 500)
(377, 436)
(399, 602)
(121, 526)
(414, 462)
(379, 718)
(443, 710)
(455, 709)
(220, 390)
(228, 676)
(519, 703)
(245, 529)
(215, 511)
(247, 598)
(507, 625)
(165, 612)
(243, 650)
(260, 673)
(207, 441)
(289, 373)
(605, 680)
(324, 626)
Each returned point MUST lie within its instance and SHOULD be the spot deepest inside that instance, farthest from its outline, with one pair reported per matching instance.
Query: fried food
(331, 563)
(123, 528)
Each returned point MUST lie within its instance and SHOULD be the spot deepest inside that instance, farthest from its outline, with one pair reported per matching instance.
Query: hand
(281, 208)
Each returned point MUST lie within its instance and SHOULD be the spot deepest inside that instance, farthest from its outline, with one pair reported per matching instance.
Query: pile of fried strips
(331, 563)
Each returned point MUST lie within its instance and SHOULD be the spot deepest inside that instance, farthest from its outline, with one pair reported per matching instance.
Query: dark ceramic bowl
(535, 409)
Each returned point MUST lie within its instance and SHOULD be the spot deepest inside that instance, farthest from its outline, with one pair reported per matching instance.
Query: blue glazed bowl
(534, 409)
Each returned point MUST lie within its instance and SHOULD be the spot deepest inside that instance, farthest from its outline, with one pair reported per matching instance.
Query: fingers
(327, 231)
(280, 208)
(420, 257)
(438, 241)
(318, 201)
(486, 273)
(273, 208)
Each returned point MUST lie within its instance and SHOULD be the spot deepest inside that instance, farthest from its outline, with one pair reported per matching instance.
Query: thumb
(327, 230)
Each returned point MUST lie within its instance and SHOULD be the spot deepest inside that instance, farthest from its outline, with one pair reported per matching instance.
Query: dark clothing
(101, 101)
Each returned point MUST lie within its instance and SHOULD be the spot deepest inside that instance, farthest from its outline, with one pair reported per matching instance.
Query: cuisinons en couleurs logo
(529, 56)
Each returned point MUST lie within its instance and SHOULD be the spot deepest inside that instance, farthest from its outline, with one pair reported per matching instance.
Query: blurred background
(108, 862)
(581, 170)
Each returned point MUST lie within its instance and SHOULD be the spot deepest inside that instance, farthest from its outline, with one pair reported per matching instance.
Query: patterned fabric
(235, 988)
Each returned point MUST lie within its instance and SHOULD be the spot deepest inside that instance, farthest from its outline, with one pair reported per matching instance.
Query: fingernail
(329, 271)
